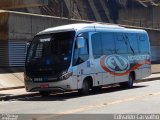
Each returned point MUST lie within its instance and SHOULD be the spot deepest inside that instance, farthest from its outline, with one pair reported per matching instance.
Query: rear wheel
(45, 93)
(129, 83)
(86, 86)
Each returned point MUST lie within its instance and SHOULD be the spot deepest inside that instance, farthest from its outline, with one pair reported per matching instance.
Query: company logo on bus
(119, 65)
(116, 63)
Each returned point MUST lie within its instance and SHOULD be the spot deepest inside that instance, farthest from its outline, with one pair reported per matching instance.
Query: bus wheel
(45, 93)
(129, 83)
(85, 90)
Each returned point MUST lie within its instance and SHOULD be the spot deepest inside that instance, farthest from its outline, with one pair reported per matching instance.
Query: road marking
(89, 107)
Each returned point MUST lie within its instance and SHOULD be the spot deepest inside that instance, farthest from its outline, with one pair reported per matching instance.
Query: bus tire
(129, 83)
(45, 93)
(86, 86)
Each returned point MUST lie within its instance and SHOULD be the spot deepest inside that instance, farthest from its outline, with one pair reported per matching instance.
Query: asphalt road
(143, 98)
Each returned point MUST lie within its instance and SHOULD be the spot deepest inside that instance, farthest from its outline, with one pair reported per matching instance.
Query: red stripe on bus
(121, 74)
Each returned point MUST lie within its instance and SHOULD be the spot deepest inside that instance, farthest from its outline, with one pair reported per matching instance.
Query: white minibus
(85, 57)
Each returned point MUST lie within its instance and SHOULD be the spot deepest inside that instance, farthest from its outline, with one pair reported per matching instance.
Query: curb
(156, 73)
(10, 88)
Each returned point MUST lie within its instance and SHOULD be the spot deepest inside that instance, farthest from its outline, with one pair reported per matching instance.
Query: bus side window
(143, 44)
(96, 45)
(121, 44)
(108, 43)
(132, 40)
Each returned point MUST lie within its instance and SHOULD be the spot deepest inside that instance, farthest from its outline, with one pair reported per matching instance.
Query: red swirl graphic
(102, 63)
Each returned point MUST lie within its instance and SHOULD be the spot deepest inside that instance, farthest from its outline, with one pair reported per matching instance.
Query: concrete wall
(12, 4)
(17, 28)
(155, 45)
(25, 26)
(18, 25)
(146, 17)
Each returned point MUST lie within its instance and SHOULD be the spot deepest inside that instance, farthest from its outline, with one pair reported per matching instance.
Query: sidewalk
(155, 68)
(20, 93)
(11, 78)
(152, 77)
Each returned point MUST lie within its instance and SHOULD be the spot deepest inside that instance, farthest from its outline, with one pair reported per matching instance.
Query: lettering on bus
(138, 58)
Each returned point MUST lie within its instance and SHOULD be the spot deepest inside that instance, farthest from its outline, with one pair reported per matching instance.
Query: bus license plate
(44, 85)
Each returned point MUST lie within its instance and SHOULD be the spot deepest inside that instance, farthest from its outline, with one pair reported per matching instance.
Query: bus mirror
(80, 42)
(27, 46)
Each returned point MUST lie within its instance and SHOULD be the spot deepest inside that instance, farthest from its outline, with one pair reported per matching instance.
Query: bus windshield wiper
(126, 38)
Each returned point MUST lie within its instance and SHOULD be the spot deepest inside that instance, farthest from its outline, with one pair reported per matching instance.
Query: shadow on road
(4, 94)
(74, 94)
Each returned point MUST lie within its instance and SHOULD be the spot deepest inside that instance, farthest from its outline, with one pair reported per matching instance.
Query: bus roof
(81, 26)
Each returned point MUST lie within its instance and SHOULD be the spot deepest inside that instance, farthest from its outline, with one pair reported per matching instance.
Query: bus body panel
(111, 65)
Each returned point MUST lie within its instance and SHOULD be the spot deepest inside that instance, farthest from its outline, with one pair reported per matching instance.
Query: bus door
(81, 61)
(95, 55)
